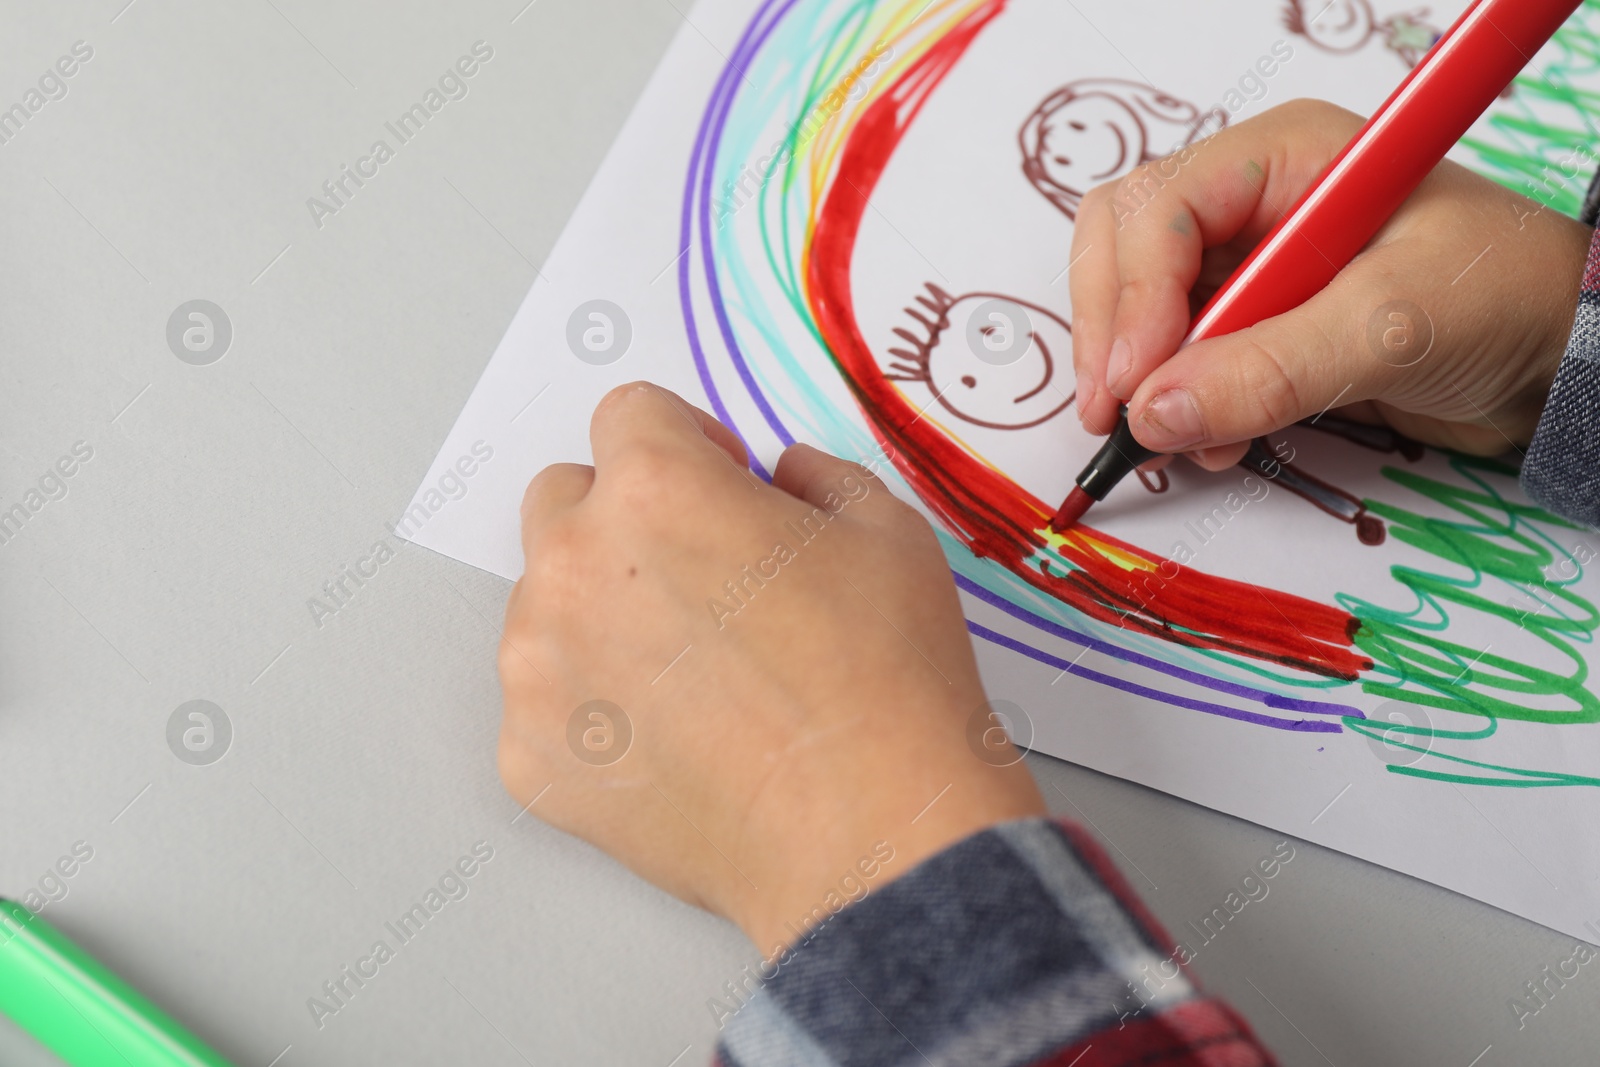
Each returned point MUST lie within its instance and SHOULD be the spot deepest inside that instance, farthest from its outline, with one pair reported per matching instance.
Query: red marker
(1463, 74)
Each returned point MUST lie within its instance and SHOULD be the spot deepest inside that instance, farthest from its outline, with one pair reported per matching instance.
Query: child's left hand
(764, 747)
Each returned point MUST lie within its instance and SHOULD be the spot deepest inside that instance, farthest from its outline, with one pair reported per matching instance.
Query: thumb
(1349, 343)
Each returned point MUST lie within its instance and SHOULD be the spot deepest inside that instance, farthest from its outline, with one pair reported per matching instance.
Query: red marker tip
(1072, 510)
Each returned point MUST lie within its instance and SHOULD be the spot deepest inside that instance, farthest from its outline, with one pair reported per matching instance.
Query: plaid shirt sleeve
(1021, 945)
(1561, 471)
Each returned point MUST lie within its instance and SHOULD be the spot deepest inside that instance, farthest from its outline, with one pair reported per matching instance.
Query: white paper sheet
(1226, 641)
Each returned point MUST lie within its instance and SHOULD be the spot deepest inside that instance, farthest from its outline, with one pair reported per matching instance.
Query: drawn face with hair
(989, 359)
(1331, 25)
(1089, 132)
(1344, 26)
(1089, 140)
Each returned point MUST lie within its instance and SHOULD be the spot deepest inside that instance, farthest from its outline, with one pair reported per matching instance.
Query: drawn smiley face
(1095, 130)
(1332, 25)
(989, 359)
(1089, 140)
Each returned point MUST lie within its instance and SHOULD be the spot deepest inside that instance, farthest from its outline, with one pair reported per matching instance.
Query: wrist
(826, 860)
(1570, 252)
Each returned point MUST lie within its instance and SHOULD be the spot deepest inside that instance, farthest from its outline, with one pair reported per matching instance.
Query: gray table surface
(219, 498)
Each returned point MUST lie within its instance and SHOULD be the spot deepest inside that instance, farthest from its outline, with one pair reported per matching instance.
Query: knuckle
(1310, 114)
(1142, 291)
(1302, 107)
(1310, 109)
(537, 486)
(1277, 397)
(508, 661)
(531, 493)
(1140, 185)
(1135, 178)
(880, 461)
(518, 677)
(550, 573)
(647, 476)
(911, 524)
(549, 604)
(853, 474)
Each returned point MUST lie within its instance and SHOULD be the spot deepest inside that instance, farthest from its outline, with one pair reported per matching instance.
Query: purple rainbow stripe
(707, 139)
(1305, 726)
(1244, 692)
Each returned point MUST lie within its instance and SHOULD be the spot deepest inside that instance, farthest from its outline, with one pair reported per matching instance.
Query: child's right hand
(1449, 326)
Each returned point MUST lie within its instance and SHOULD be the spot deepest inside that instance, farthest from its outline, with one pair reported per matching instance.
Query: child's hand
(775, 738)
(1449, 326)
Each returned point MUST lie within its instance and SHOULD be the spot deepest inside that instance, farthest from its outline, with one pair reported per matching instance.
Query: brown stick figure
(1331, 499)
(1345, 26)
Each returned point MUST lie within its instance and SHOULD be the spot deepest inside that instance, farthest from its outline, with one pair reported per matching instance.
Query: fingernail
(1085, 392)
(1120, 367)
(1172, 422)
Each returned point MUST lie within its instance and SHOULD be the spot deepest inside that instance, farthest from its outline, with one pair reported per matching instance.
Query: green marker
(78, 1009)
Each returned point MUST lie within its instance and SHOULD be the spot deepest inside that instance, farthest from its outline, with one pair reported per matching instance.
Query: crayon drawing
(1454, 555)
(1347, 25)
(1090, 131)
(1349, 637)
(1002, 393)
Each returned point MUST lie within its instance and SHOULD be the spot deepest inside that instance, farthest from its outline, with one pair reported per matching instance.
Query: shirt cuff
(1019, 945)
(1561, 471)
